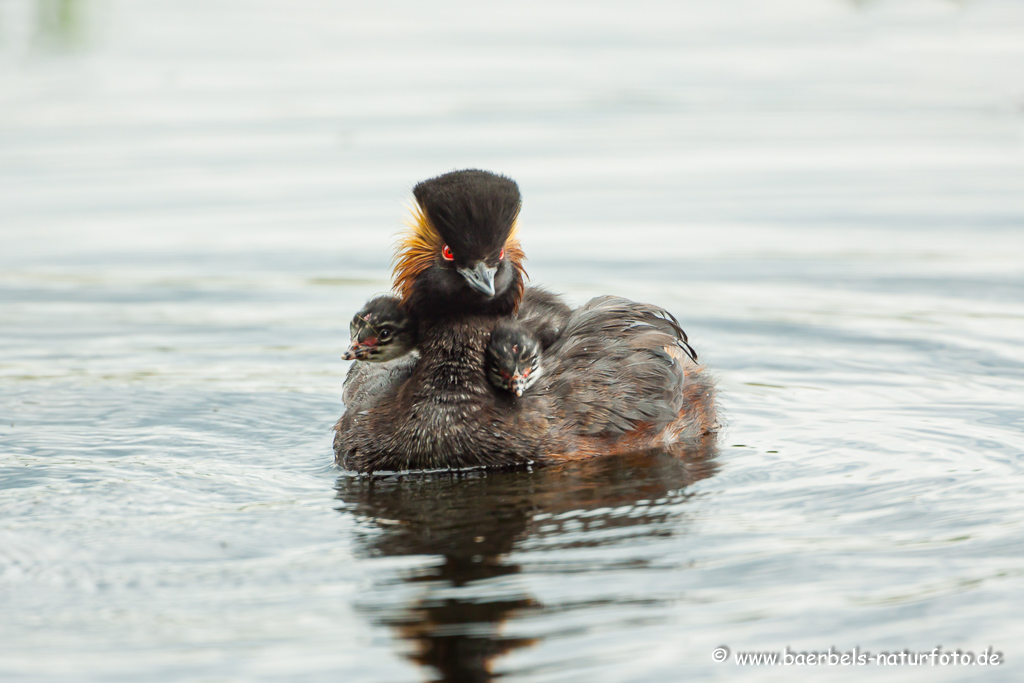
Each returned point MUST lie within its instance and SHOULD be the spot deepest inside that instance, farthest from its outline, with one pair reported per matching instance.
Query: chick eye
(446, 253)
(385, 335)
(501, 254)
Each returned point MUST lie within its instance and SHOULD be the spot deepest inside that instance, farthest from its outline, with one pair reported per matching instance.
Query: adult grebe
(619, 375)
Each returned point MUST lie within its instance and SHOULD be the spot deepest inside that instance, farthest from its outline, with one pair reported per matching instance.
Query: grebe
(619, 376)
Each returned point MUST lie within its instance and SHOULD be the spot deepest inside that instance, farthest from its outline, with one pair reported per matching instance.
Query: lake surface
(196, 196)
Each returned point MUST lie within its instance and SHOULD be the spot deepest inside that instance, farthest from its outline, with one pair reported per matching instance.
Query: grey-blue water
(196, 196)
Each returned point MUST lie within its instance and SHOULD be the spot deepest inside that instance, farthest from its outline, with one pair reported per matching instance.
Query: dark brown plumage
(544, 314)
(383, 330)
(619, 375)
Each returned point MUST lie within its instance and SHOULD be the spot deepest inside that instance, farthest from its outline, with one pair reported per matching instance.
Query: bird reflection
(472, 520)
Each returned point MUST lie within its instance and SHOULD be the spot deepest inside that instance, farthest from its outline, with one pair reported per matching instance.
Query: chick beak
(518, 385)
(355, 352)
(480, 277)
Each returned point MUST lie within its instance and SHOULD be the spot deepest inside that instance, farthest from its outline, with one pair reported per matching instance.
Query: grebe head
(513, 358)
(381, 331)
(461, 254)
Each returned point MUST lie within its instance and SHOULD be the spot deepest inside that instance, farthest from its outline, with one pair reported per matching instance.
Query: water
(195, 197)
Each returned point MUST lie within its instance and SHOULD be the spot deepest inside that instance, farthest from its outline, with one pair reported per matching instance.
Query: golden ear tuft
(418, 246)
(515, 255)
(415, 251)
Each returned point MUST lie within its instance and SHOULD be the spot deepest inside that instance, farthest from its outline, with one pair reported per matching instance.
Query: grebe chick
(513, 358)
(381, 331)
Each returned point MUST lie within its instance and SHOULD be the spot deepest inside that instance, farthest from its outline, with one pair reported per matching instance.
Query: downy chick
(513, 358)
(381, 331)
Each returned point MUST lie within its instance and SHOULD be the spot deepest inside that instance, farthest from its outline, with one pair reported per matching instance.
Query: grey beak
(480, 277)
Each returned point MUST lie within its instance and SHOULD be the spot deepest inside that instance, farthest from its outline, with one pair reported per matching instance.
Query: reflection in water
(474, 519)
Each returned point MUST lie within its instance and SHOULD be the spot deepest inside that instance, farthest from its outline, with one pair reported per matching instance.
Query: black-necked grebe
(618, 375)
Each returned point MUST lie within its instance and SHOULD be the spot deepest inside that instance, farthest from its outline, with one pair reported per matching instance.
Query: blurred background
(196, 196)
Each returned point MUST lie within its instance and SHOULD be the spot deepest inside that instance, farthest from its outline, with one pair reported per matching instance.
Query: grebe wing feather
(616, 365)
(544, 314)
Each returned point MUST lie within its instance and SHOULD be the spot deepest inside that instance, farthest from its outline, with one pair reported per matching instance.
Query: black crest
(472, 210)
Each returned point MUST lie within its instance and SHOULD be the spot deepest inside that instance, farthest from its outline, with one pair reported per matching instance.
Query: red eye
(502, 254)
(447, 254)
